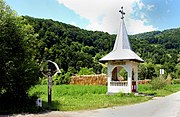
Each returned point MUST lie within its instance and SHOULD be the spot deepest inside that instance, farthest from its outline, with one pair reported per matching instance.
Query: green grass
(76, 97)
(169, 89)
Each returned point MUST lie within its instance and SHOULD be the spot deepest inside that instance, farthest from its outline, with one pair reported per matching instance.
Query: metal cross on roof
(122, 12)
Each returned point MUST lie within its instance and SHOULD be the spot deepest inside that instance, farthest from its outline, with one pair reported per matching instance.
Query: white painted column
(109, 78)
(109, 74)
(136, 76)
(130, 79)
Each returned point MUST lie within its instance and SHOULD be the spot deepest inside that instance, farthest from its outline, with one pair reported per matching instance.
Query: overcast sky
(102, 15)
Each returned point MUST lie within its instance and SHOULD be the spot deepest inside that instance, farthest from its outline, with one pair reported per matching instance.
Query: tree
(18, 70)
(147, 71)
(86, 71)
(177, 75)
(73, 47)
(97, 68)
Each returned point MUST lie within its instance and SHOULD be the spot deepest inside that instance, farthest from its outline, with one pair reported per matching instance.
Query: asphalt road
(168, 106)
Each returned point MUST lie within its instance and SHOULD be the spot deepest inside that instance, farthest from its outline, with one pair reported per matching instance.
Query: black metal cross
(122, 12)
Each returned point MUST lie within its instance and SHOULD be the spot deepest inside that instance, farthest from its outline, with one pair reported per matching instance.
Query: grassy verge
(75, 97)
(169, 89)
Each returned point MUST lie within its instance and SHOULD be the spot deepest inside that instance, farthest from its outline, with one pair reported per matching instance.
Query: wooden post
(49, 89)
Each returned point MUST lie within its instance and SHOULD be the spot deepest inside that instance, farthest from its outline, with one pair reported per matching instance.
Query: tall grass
(76, 97)
(166, 90)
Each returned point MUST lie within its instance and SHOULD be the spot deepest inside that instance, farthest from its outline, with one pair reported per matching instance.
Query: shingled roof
(122, 48)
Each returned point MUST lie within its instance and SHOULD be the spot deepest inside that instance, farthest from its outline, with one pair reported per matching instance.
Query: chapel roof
(122, 48)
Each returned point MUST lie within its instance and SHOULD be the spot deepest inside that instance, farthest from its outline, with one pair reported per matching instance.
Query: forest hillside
(73, 48)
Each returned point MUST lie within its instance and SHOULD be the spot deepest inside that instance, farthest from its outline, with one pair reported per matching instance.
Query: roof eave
(136, 60)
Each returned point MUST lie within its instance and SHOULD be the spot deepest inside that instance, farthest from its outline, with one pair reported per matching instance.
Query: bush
(86, 71)
(11, 105)
(158, 83)
(18, 68)
(176, 81)
(63, 78)
(43, 81)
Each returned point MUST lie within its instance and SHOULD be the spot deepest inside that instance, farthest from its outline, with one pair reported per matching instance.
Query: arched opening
(123, 74)
(119, 74)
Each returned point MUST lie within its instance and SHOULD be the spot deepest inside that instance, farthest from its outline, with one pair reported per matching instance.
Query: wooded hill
(73, 48)
(26, 43)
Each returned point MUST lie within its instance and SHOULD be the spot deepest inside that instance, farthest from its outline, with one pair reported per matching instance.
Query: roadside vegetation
(167, 90)
(18, 69)
(77, 97)
(26, 42)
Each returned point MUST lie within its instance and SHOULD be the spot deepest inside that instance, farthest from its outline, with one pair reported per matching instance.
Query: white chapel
(120, 57)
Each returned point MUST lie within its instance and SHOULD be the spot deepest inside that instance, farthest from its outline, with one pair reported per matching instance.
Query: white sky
(104, 16)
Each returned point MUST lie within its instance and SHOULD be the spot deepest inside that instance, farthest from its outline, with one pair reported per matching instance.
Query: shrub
(158, 83)
(44, 81)
(176, 81)
(18, 68)
(11, 105)
(62, 78)
(86, 71)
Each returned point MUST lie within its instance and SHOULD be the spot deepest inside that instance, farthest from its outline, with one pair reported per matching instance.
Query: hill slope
(73, 48)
